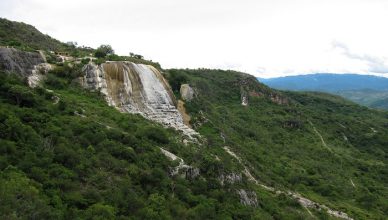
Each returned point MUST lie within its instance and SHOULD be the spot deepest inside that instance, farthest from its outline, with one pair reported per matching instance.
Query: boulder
(187, 93)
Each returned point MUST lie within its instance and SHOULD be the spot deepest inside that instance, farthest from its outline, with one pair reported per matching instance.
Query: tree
(103, 51)
(137, 56)
(100, 211)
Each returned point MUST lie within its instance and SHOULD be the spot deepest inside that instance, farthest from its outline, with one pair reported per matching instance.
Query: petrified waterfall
(136, 88)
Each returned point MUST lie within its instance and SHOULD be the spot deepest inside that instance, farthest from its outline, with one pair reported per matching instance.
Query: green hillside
(66, 154)
(27, 37)
(328, 149)
(23, 35)
(78, 158)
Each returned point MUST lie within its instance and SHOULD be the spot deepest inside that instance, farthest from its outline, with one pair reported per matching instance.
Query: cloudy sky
(262, 37)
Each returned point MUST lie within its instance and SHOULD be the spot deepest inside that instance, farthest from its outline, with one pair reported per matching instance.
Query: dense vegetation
(22, 35)
(346, 169)
(66, 155)
(26, 37)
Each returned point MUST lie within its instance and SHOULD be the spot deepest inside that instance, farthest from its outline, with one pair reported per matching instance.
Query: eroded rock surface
(230, 178)
(182, 169)
(247, 198)
(38, 73)
(29, 65)
(19, 62)
(137, 88)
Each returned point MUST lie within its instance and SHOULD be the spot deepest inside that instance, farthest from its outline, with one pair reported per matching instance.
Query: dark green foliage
(154, 133)
(18, 34)
(176, 79)
(136, 56)
(27, 37)
(103, 50)
(80, 159)
(277, 138)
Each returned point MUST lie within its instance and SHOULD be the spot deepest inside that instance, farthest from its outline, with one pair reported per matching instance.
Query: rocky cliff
(30, 65)
(136, 88)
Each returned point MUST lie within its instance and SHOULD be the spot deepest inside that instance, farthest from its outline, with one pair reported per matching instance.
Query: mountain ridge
(368, 90)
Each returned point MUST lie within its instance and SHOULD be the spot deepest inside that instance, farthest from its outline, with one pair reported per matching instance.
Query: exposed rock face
(30, 65)
(187, 93)
(137, 88)
(37, 74)
(244, 101)
(247, 198)
(20, 62)
(230, 178)
(279, 99)
(182, 169)
(186, 117)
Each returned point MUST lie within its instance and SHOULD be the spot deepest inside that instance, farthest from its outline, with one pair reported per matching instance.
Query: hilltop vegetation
(27, 38)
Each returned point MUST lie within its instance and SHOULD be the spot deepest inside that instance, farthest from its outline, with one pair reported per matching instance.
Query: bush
(176, 79)
(156, 134)
(103, 51)
(55, 82)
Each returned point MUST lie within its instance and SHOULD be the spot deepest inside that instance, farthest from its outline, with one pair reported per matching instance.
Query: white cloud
(265, 38)
(375, 64)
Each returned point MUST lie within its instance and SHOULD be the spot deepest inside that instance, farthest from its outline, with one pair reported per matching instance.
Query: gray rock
(182, 169)
(187, 93)
(247, 198)
(230, 178)
(19, 62)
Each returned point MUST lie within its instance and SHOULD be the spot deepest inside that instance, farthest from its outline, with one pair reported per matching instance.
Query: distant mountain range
(368, 90)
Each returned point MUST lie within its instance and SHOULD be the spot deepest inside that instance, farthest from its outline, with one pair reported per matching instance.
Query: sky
(266, 38)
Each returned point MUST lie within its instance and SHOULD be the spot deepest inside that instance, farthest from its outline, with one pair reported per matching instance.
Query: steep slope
(323, 147)
(23, 35)
(137, 88)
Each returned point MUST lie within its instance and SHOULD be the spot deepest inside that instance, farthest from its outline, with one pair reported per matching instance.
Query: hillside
(23, 35)
(102, 140)
(329, 149)
(27, 37)
(68, 155)
(363, 89)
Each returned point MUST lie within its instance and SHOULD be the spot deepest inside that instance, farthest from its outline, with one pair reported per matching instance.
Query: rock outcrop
(137, 88)
(19, 62)
(231, 178)
(182, 169)
(30, 65)
(187, 93)
(247, 198)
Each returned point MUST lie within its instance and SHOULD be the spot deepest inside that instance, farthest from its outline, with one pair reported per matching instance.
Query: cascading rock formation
(136, 88)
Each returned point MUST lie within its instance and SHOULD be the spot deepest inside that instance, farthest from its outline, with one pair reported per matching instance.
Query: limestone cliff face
(20, 62)
(30, 65)
(136, 88)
